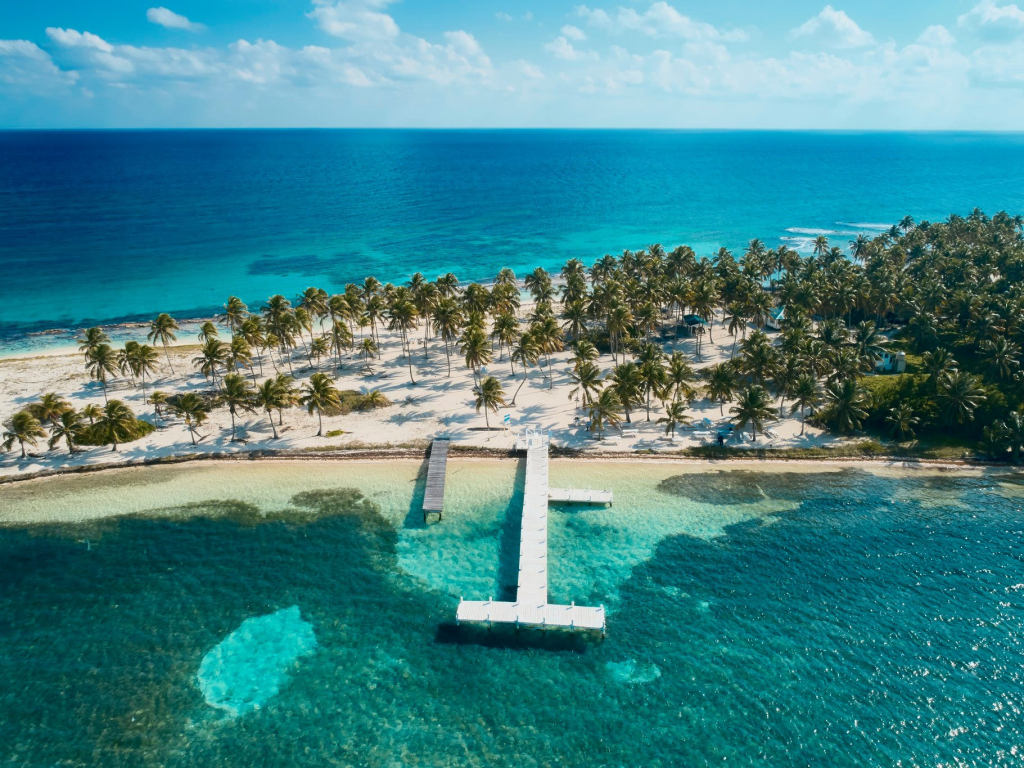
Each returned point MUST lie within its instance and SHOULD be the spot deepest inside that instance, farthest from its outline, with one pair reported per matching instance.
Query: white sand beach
(437, 405)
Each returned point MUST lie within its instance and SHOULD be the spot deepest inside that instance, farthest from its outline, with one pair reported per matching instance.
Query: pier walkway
(437, 468)
(531, 607)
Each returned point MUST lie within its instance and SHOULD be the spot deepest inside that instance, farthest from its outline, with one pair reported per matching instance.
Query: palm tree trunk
(232, 412)
(526, 375)
(270, 415)
(320, 418)
(168, 356)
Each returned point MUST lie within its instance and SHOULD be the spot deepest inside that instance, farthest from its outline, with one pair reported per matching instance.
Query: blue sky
(864, 64)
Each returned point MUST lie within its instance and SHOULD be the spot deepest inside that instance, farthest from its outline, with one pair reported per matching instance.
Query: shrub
(93, 435)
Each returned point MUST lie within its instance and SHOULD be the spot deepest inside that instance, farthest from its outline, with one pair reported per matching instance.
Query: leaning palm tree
(490, 396)
(805, 394)
(23, 428)
(475, 350)
(193, 409)
(237, 397)
(142, 360)
(207, 331)
(289, 394)
(93, 412)
(49, 407)
(526, 353)
(267, 397)
(675, 415)
(320, 393)
(90, 339)
(605, 410)
(162, 330)
(117, 423)
(754, 407)
(102, 362)
(235, 313)
(66, 427)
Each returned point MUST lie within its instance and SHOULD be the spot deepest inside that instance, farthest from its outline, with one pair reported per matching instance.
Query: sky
(853, 65)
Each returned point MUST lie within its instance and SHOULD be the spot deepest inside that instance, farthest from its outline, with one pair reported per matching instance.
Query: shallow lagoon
(761, 612)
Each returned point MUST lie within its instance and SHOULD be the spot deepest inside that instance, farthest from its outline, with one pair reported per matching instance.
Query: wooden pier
(437, 467)
(531, 607)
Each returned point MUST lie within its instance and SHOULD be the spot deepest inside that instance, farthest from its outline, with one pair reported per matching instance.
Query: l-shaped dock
(531, 607)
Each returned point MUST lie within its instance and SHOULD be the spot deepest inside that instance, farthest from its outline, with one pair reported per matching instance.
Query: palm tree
(902, 421)
(847, 404)
(158, 399)
(235, 313)
(526, 353)
(90, 339)
(1012, 430)
(213, 355)
(193, 409)
(627, 383)
(722, 383)
(23, 428)
(288, 394)
(49, 407)
(117, 424)
(1002, 357)
(402, 318)
(605, 410)
(374, 399)
(320, 348)
(368, 348)
(93, 412)
(960, 394)
(654, 378)
(162, 330)
(320, 393)
(207, 332)
(475, 349)
(237, 397)
(142, 360)
(675, 415)
(101, 362)
(806, 394)
(66, 427)
(490, 396)
(587, 378)
(937, 363)
(548, 337)
(267, 397)
(754, 407)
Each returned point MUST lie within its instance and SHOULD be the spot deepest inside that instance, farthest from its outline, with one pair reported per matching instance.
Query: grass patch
(334, 433)
(354, 400)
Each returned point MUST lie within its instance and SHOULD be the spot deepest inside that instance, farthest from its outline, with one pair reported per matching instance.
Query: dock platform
(531, 607)
(437, 468)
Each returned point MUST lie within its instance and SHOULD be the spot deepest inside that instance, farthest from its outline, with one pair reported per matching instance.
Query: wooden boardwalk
(437, 467)
(577, 496)
(531, 607)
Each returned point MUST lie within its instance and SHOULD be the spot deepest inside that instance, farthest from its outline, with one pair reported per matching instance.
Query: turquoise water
(790, 617)
(115, 226)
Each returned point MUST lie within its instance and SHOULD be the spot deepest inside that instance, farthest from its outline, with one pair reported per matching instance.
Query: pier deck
(437, 467)
(531, 607)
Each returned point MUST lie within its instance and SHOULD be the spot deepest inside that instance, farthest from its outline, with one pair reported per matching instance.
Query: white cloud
(574, 33)
(936, 36)
(171, 20)
(529, 70)
(660, 20)
(355, 20)
(502, 16)
(463, 43)
(24, 65)
(832, 27)
(992, 20)
(561, 48)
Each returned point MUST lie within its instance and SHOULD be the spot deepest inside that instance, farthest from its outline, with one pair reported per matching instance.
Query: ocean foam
(250, 665)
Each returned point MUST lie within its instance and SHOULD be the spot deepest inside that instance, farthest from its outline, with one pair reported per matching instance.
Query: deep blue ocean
(105, 227)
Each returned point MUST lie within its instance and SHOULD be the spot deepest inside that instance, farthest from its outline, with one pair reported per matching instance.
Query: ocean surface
(301, 614)
(112, 227)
